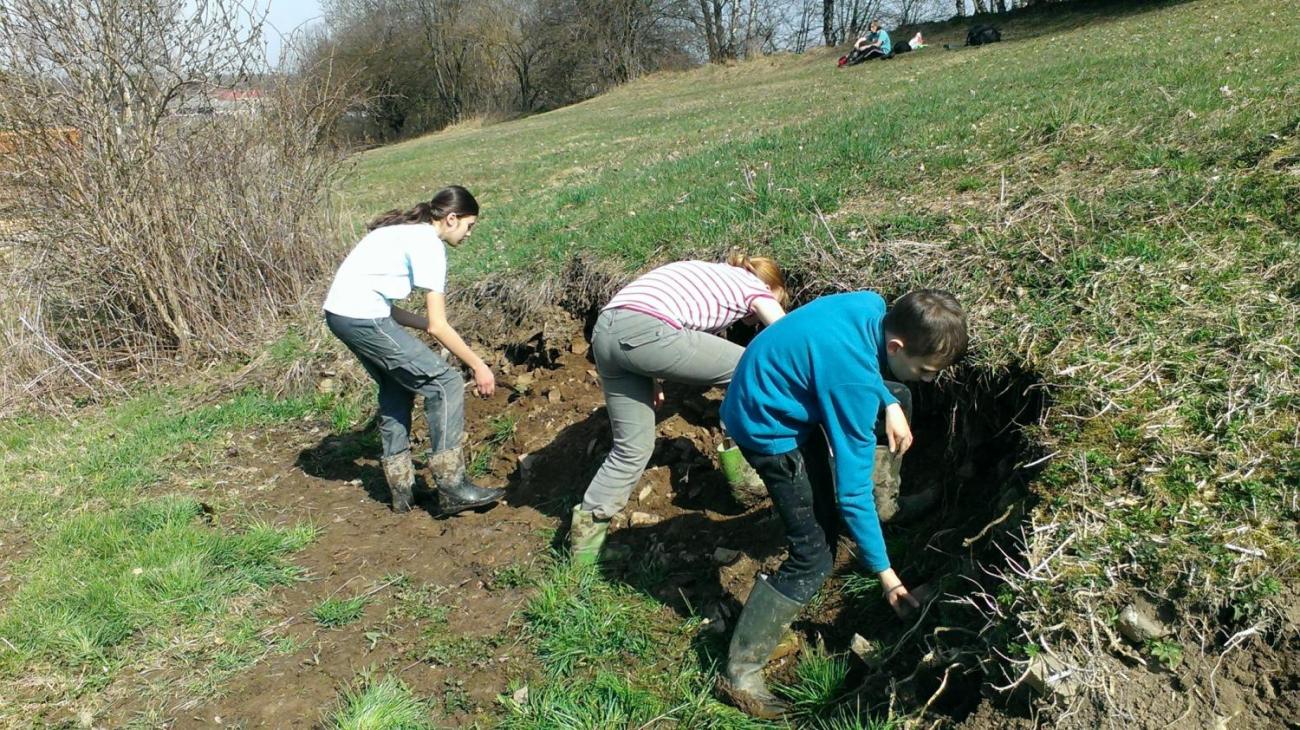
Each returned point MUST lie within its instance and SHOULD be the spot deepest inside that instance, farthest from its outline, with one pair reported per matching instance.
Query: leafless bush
(145, 224)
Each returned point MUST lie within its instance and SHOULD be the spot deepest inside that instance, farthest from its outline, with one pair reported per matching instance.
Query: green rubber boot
(586, 536)
(746, 486)
(763, 622)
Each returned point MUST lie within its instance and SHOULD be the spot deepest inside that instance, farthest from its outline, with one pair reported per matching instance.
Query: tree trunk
(828, 22)
(710, 32)
(981, 6)
(961, 8)
(1002, 5)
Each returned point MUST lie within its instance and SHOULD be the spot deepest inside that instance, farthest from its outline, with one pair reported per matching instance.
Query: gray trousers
(403, 366)
(631, 351)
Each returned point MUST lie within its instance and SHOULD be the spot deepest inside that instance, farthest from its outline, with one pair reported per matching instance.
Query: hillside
(1114, 191)
(1114, 194)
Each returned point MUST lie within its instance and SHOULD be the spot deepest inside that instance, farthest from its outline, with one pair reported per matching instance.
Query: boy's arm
(850, 413)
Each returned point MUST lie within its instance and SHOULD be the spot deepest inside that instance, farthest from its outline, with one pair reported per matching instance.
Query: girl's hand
(658, 399)
(897, 429)
(485, 383)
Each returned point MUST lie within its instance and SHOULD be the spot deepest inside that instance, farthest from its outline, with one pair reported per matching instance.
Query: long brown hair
(451, 199)
(767, 271)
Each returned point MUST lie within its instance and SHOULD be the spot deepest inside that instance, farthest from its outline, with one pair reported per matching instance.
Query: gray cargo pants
(403, 366)
(632, 350)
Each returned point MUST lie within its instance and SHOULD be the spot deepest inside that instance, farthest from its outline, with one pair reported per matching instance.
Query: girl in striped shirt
(664, 325)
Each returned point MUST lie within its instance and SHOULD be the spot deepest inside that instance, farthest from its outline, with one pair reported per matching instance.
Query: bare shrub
(160, 228)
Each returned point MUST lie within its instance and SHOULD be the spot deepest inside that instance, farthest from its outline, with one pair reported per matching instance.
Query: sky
(283, 18)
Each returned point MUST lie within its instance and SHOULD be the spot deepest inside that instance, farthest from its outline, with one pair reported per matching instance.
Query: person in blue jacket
(875, 44)
(813, 384)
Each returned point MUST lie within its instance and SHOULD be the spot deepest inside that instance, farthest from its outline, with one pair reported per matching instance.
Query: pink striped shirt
(693, 295)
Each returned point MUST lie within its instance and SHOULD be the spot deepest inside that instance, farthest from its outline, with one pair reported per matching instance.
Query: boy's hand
(658, 395)
(896, 594)
(897, 429)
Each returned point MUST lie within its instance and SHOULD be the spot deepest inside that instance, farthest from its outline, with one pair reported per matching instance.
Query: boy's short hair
(930, 322)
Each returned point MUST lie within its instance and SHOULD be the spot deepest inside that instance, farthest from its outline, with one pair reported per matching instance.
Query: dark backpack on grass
(983, 34)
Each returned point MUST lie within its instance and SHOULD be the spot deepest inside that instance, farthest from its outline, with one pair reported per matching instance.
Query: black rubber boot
(400, 475)
(763, 622)
(456, 493)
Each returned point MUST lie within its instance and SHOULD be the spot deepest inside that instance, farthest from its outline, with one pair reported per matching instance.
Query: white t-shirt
(384, 267)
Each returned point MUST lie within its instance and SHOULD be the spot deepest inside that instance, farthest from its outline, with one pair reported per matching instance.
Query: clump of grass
(515, 575)
(383, 704)
(849, 719)
(612, 658)
(579, 620)
(607, 700)
(860, 585)
(334, 612)
(502, 430)
(818, 683)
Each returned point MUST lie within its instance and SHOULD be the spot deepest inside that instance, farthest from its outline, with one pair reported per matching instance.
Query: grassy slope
(1122, 221)
(1113, 192)
(117, 565)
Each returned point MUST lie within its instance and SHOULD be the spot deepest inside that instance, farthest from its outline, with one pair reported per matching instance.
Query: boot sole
(749, 704)
(457, 508)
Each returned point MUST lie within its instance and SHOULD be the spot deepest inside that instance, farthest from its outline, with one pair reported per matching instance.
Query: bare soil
(969, 446)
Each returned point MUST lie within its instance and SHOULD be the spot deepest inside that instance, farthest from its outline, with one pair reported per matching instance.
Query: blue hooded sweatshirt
(820, 367)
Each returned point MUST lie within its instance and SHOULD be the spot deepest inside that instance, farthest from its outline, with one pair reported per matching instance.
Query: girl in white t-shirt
(405, 250)
(665, 325)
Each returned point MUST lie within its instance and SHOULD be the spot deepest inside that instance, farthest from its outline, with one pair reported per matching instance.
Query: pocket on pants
(654, 353)
(642, 339)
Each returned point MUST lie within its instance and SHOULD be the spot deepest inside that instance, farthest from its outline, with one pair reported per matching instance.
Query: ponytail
(767, 271)
(451, 199)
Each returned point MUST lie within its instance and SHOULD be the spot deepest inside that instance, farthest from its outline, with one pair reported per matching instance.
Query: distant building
(206, 101)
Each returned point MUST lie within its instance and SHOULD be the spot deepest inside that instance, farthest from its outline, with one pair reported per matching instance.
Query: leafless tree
(151, 226)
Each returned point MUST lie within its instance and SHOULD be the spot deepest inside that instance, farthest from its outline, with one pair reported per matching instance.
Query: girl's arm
(409, 319)
(441, 329)
(767, 310)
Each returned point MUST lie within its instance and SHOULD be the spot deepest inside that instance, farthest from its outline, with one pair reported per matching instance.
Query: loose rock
(725, 556)
(1049, 676)
(642, 519)
(1137, 622)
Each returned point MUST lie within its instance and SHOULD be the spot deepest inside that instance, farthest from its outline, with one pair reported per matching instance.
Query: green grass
(121, 564)
(106, 577)
(1118, 218)
(579, 620)
(818, 684)
(502, 430)
(612, 657)
(334, 612)
(380, 704)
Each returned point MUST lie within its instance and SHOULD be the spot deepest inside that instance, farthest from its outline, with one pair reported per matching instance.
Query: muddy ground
(449, 627)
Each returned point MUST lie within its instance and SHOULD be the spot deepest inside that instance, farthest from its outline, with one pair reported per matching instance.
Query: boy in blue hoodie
(813, 380)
